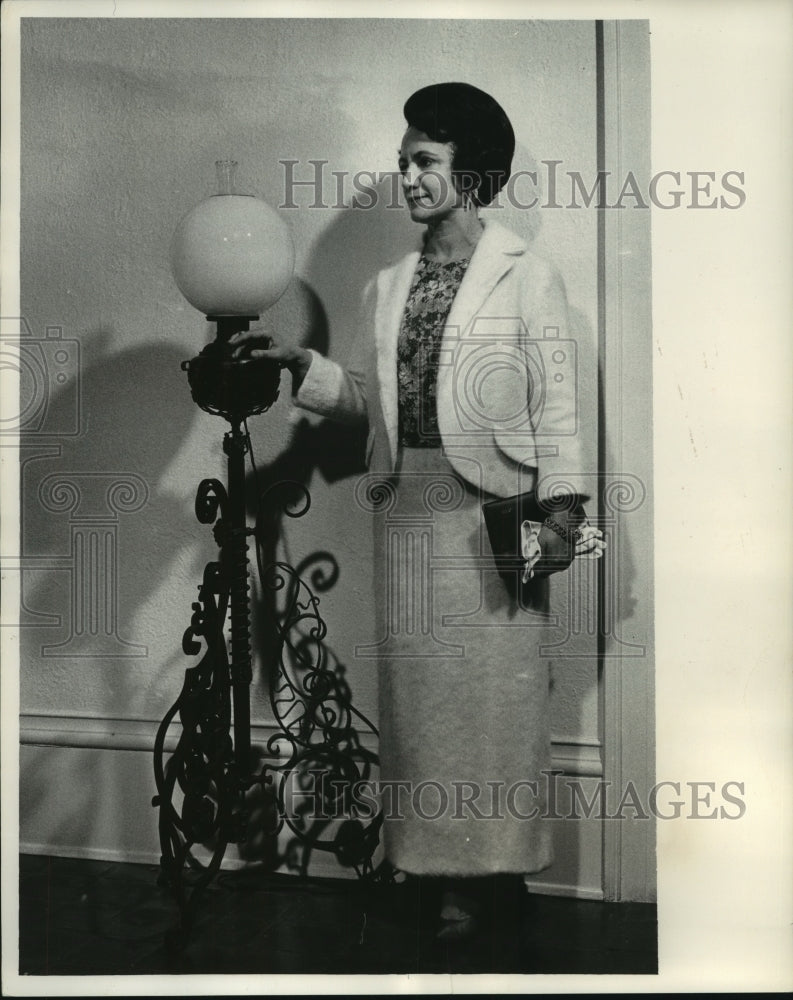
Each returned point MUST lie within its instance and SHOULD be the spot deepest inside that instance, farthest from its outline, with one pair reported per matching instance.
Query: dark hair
(477, 126)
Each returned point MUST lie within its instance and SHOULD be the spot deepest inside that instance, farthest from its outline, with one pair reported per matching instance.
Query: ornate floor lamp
(232, 258)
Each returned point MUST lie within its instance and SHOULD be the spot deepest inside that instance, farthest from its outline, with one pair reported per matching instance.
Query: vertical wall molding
(626, 667)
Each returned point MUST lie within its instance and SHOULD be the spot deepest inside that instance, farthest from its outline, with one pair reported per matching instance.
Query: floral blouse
(430, 298)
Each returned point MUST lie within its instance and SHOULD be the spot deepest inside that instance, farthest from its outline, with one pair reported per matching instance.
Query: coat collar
(493, 257)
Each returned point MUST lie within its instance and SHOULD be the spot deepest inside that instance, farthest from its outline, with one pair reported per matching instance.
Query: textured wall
(122, 123)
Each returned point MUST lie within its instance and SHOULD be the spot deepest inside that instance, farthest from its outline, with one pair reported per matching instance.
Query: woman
(446, 377)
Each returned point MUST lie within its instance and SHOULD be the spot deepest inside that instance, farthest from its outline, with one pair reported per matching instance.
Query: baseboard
(152, 857)
(561, 889)
(87, 853)
(87, 785)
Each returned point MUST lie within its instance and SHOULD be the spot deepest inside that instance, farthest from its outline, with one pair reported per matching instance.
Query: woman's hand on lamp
(255, 344)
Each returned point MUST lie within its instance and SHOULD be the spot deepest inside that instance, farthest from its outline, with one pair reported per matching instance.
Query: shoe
(460, 910)
(451, 931)
(457, 906)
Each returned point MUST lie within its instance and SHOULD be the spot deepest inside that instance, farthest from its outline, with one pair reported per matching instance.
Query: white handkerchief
(530, 547)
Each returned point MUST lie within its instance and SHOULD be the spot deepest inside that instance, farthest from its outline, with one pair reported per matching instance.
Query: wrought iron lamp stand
(204, 787)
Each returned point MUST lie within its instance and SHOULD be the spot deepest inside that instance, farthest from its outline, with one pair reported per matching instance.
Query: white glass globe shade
(232, 255)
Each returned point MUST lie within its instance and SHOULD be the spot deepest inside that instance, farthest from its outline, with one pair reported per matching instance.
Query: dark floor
(94, 917)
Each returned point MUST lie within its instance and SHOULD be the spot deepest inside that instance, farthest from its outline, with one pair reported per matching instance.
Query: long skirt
(463, 690)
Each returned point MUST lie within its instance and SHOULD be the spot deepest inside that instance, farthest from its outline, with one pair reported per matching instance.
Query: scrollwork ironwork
(201, 771)
(316, 761)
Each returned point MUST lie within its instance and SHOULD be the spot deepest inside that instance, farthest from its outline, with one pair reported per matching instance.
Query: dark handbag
(561, 519)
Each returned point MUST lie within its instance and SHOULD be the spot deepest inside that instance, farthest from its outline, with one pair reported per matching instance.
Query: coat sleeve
(554, 392)
(336, 391)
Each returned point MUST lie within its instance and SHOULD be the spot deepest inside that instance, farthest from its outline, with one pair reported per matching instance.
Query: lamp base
(233, 388)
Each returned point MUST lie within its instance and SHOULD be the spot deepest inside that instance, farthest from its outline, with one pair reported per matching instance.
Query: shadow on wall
(98, 533)
(321, 311)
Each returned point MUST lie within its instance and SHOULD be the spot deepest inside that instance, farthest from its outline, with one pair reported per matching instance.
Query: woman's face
(427, 181)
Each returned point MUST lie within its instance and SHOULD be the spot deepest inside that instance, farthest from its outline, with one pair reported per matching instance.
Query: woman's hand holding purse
(540, 539)
(590, 543)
